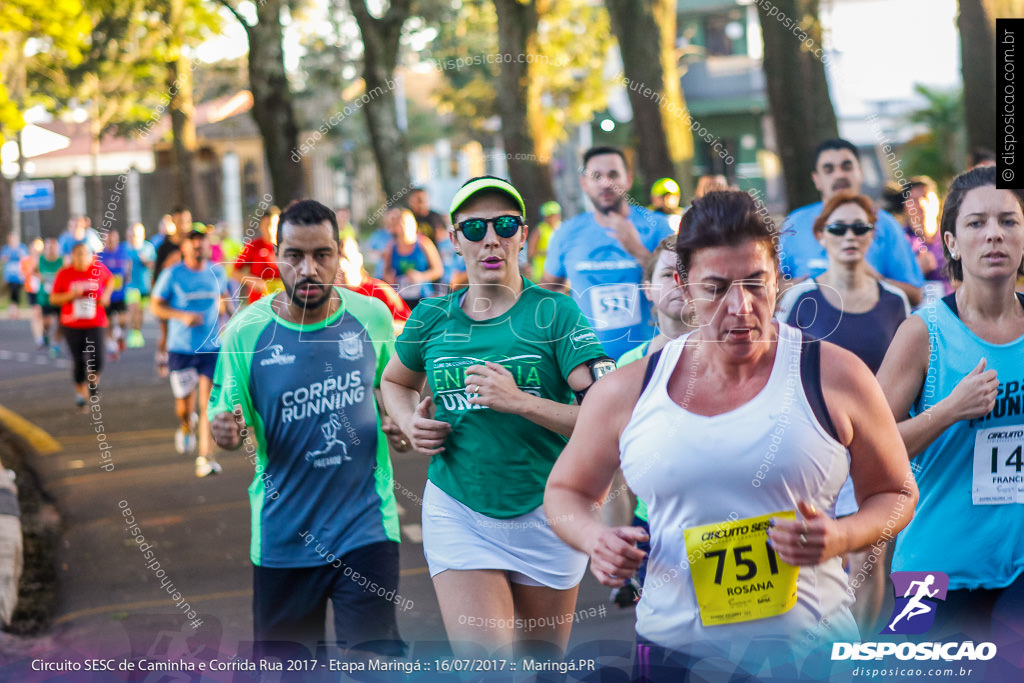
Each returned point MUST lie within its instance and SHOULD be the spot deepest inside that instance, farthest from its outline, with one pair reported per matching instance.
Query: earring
(954, 256)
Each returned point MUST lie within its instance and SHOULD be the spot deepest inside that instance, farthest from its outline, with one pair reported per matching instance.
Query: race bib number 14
(737, 576)
(998, 465)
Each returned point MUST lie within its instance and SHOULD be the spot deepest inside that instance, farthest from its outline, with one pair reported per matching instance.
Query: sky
(886, 46)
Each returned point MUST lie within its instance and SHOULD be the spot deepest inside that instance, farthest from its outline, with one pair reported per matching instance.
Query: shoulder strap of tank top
(950, 300)
(810, 378)
(652, 365)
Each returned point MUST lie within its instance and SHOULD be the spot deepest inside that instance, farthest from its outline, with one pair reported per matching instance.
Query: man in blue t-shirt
(189, 295)
(837, 169)
(601, 253)
(78, 230)
(143, 255)
(117, 258)
(10, 261)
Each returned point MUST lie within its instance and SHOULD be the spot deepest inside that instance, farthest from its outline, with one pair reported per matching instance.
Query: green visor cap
(550, 209)
(477, 185)
(197, 230)
(664, 186)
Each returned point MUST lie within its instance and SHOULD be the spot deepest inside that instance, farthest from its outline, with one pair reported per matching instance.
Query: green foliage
(329, 79)
(224, 77)
(125, 50)
(573, 38)
(938, 152)
(465, 38)
(31, 30)
(120, 73)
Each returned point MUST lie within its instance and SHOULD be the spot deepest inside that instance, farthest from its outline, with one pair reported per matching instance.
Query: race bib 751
(736, 574)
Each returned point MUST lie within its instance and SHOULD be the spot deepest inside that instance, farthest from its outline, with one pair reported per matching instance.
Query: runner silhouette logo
(917, 597)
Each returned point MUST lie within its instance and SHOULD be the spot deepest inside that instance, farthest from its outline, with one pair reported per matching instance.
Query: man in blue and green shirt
(298, 370)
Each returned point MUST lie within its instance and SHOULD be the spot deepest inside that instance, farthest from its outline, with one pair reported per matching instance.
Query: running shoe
(136, 340)
(207, 466)
(121, 345)
(54, 351)
(184, 440)
(80, 404)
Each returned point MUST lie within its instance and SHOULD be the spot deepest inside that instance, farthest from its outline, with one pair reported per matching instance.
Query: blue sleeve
(554, 262)
(786, 265)
(222, 279)
(161, 290)
(660, 231)
(898, 262)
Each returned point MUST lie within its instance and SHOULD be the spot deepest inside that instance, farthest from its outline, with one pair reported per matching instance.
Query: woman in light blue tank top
(954, 378)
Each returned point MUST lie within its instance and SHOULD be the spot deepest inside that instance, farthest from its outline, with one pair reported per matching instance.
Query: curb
(11, 546)
(36, 437)
(29, 529)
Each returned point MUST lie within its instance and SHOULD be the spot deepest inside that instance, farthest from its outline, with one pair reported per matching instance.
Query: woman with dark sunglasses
(849, 306)
(502, 358)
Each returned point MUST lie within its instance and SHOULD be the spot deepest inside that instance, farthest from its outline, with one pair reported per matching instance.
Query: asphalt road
(113, 604)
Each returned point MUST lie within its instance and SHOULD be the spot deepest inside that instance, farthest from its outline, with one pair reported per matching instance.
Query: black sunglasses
(476, 228)
(839, 229)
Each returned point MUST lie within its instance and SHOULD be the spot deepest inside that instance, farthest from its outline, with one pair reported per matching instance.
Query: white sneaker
(206, 466)
(184, 441)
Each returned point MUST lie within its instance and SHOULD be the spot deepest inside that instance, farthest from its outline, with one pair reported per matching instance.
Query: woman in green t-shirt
(502, 359)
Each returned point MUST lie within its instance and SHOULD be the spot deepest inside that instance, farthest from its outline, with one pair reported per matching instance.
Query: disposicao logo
(917, 596)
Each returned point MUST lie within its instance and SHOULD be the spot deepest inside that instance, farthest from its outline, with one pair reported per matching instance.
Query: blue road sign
(33, 195)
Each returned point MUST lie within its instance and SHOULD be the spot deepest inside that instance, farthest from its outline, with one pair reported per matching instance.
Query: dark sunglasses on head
(839, 229)
(476, 228)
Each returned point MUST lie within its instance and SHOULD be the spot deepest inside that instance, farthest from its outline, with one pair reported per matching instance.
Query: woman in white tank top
(739, 437)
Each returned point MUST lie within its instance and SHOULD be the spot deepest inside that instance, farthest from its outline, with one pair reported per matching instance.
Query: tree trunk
(380, 56)
(976, 22)
(801, 107)
(6, 208)
(272, 102)
(95, 212)
(664, 143)
(182, 110)
(528, 156)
